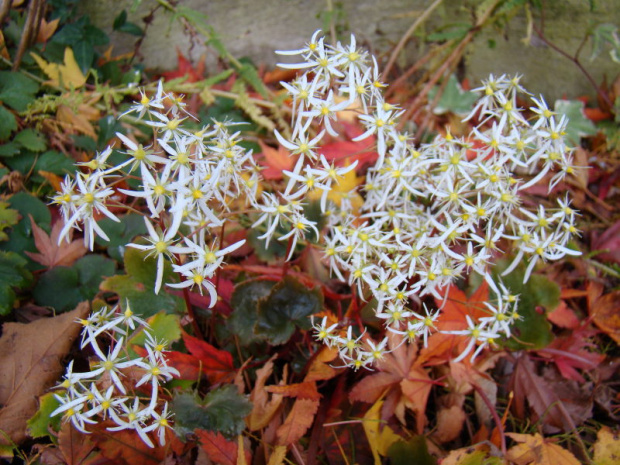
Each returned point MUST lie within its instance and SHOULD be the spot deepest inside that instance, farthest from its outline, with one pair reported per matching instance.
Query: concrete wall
(255, 28)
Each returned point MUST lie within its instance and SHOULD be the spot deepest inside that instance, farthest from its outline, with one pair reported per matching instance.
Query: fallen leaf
(321, 367)
(185, 69)
(607, 447)
(75, 446)
(380, 437)
(275, 161)
(608, 243)
(305, 390)
(219, 449)
(263, 407)
(67, 75)
(277, 456)
(30, 360)
(46, 29)
(297, 422)
(535, 450)
(563, 317)
(216, 364)
(605, 311)
(449, 423)
(474, 455)
(50, 252)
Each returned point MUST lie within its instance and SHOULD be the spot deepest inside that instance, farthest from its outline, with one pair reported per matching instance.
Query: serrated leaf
(9, 149)
(17, 90)
(578, 125)
(31, 140)
(288, 305)
(8, 123)
(13, 274)
(222, 410)
(453, 99)
(8, 218)
(138, 284)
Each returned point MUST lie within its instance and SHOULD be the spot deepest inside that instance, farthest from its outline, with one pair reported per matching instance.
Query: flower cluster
(187, 180)
(117, 386)
(432, 213)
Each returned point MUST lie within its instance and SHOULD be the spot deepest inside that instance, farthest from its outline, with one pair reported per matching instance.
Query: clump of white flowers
(120, 389)
(432, 213)
(187, 179)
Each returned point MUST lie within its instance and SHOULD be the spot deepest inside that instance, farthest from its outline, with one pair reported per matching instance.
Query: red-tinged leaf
(536, 450)
(50, 252)
(305, 390)
(543, 401)
(605, 310)
(125, 446)
(185, 68)
(297, 422)
(75, 446)
(275, 161)
(372, 387)
(564, 317)
(216, 364)
(217, 447)
(608, 243)
(416, 388)
(263, 407)
(442, 347)
(189, 366)
(569, 353)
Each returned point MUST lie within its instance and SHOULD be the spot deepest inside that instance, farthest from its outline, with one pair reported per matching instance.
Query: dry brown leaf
(297, 422)
(449, 423)
(72, 121)
(535, 450)
(305, 390)
(50, 252)
(30, 362)
(277, 456)
(263, 408)
(46, 29)
(74, 446)
(218, 449)
(321, 368)
(606, 314)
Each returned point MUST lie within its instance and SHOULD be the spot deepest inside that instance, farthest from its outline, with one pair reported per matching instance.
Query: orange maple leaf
(50, 252)
(275, 161)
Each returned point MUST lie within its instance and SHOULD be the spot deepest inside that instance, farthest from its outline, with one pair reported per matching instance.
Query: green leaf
(161, 326)
(8, 124)
(412, 451)
(9, 149)
(139, 282)
(39, 425)
(222, 410)
(578, 125)
(120, 233)
(17, 90)
(21, 238)
(533, 330)
(606, 34)
(64, 287)
(248, 73)
(244, 302)
(13, 274)
(454, 99)
(31, 140)
(8, 218)
(289, 304)
(55, 162)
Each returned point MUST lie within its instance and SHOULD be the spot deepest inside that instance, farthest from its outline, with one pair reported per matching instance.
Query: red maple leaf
(187, 69)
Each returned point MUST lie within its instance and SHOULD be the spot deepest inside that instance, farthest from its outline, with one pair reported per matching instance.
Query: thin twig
(407, 35)
(496, 419)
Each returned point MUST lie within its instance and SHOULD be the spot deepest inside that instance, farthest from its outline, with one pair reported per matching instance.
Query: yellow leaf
(4, 53)
(46, 30)
(241, 452)
(607, 447)
(278, 456)
(67, 75)
(380, 439)
(535, 450)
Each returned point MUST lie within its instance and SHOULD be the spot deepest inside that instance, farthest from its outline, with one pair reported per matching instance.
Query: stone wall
(255, 28)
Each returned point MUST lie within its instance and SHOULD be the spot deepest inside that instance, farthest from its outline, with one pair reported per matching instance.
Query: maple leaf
(379, 437)
(186, 69)
(570, 353)
(74, 448)
(216, 364)
(51, 253)
(604, 311)
(275, 161)
(535, 450)
(67, 75)
(401, 376)
(442, 347)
